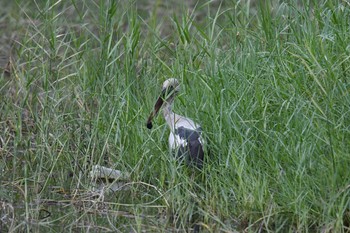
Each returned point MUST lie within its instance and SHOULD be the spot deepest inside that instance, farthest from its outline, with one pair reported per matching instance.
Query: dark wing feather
(197, 153)
(194, 147)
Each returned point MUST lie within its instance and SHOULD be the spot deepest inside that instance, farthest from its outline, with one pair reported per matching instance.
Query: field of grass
(267, 80)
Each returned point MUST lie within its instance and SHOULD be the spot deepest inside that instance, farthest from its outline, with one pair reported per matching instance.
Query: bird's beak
(157, 106)
(166, 94)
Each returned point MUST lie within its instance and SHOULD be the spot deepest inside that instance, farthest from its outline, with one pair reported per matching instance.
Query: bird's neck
(169, 115)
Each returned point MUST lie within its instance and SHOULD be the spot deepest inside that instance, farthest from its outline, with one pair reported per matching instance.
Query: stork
(185, 134)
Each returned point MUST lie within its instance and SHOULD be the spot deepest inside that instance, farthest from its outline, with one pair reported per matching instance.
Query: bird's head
(170, 88)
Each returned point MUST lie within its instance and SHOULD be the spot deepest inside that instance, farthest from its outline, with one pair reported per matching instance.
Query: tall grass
(267, 81)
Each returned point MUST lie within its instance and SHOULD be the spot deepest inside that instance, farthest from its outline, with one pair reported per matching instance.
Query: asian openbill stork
(185, 134)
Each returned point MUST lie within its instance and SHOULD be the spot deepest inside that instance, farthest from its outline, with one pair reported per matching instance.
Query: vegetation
(267, 80)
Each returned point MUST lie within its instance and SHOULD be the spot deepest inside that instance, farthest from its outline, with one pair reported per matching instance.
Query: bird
(185, 136)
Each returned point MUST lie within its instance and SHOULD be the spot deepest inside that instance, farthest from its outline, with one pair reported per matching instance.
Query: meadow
(267, 80)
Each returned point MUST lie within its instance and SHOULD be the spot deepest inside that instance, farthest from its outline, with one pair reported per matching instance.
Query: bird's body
(185, 134)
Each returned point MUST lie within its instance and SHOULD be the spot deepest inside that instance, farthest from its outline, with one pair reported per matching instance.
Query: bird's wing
(190, 143)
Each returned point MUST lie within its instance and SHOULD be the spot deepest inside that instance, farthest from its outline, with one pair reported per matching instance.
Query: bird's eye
(168, 92)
